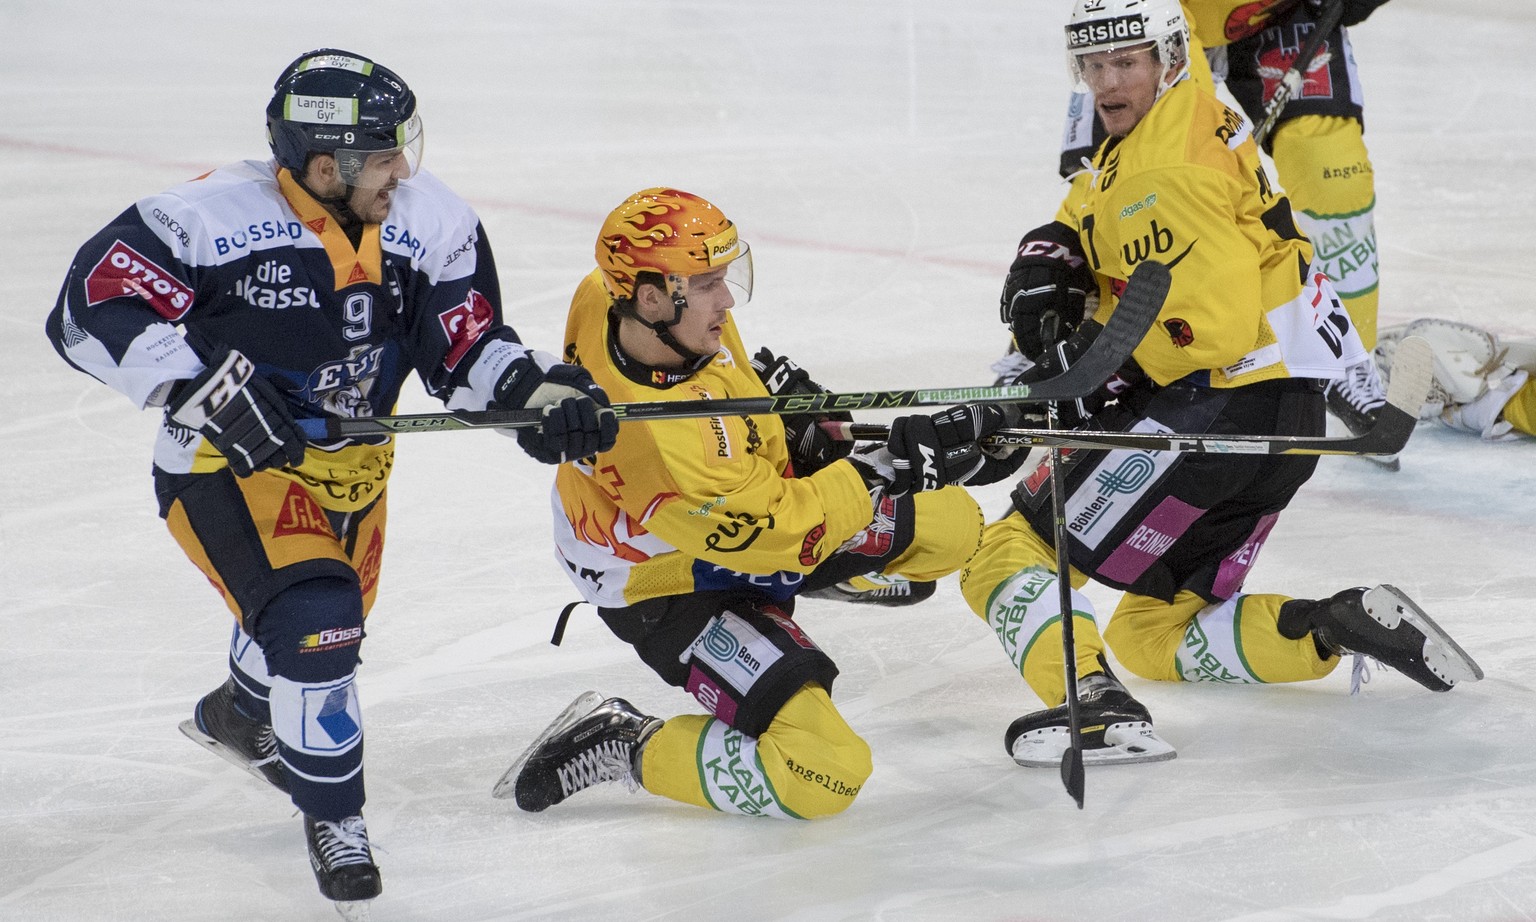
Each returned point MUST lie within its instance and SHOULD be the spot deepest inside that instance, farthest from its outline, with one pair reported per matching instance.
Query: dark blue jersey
(243, 258)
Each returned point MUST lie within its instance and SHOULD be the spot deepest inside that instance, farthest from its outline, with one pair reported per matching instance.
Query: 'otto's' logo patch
(464, 323)
(126, 271)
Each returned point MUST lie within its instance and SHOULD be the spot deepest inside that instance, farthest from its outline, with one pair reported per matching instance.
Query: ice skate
(220, 726)
(1356, 401)
(877, 589)
(1116, 729)
(343, 864)
(593, 741)
(1385, 625)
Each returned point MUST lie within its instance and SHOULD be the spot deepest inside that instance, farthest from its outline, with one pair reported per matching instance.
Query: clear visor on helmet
(1090, 63)
(376, 169)
(734, 278)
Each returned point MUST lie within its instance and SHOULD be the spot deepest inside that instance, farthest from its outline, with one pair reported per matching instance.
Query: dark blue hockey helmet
(335, 102)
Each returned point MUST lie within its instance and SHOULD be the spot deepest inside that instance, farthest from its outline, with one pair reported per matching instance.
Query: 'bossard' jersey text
(243, 258)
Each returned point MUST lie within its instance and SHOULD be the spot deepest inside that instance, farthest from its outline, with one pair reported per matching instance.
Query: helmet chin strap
(663, 330)
(339, 205)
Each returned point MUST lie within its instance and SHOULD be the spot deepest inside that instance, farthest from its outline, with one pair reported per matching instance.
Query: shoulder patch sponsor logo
(125, 271)
(717, 440)
(1247, 19)
(810, 547)
(1134, 207)
(464, 324)
(1179, 331)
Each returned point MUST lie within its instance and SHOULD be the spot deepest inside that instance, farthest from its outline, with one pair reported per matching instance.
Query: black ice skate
(1357, 401)
(877, 589)
(1116, 729)
(343, 864)
(220, 726)
(1386, 625)
(592, 741)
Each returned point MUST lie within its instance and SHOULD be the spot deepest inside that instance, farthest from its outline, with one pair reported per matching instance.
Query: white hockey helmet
(1107, 25)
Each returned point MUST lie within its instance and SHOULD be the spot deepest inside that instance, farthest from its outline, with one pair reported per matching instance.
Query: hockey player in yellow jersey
(1318, 147)
(692, 537)
(1250, 332)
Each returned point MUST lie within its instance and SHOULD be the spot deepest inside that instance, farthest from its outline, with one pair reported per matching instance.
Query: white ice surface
(882, 159)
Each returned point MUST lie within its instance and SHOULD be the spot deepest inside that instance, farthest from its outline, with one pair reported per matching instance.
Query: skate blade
(189, 728)
(577, 709)
(352, 910)
(1128, 744)
(1444, 656)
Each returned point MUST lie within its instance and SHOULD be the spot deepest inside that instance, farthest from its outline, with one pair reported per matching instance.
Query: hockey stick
(1132, 317)
(1407, 388)
(1292, 80)
(1072, 759)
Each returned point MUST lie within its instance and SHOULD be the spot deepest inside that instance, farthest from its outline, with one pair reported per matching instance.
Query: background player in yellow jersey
(1318, 147)
(693, 536)
(1249, 333)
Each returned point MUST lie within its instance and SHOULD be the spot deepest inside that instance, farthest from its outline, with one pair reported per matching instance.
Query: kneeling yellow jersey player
(692, 537)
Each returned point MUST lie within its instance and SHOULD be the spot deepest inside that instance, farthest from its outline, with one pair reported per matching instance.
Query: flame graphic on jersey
(611, 537)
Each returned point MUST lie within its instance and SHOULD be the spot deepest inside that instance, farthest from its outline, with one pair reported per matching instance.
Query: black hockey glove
(578, 421)
(241, 414)
(968, 460)
(1046, 289)
(810, 447)
(930, 452)
(1070, 414)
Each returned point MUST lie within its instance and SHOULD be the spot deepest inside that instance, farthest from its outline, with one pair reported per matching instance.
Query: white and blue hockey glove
(241, 414)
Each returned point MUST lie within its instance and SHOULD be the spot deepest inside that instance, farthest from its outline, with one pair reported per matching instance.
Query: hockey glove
(962, 432)
(578, 421)
(241, 414)
(1070, 414)
(1046, 289)
(810, 447)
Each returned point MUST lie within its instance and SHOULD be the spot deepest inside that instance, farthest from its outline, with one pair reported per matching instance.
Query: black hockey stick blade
(1072, 772)
(1407, 389)
(1128, 323)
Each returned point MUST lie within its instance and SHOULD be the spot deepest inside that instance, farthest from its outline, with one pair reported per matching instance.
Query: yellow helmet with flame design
(673, 234)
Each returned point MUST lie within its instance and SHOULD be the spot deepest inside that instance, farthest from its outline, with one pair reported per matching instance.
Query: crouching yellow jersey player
(693, 536)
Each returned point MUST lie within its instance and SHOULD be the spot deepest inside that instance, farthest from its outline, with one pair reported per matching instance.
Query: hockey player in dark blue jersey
(309, 285)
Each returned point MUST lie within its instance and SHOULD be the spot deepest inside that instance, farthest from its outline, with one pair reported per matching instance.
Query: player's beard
(372, 205)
